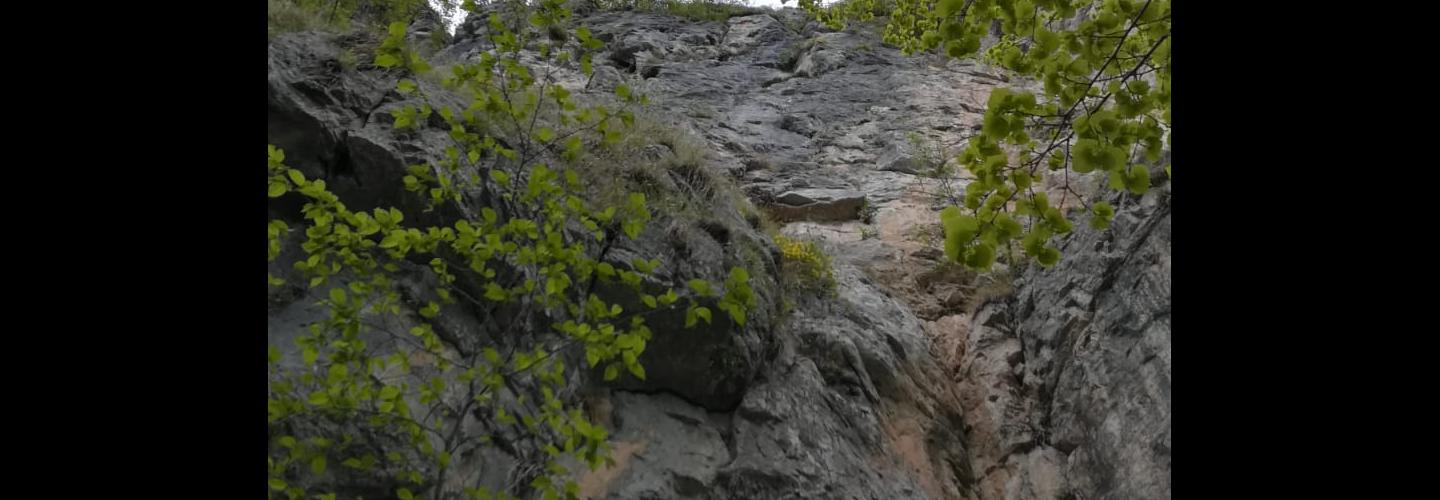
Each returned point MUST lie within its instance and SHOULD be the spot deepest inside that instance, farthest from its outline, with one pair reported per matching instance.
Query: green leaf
(1090, 155)
(959, 230)
(317, 464)
(1103, 213)
(1138, 180)
(277, 484)
(404, 494)
(950, 7)
(495, 292)
(405, 86)
(1057, 221)
(981, 256)
(296, 177)
(636, 370)
(1022, 179)
(1048, 257)
(700, 286)
(612, 372)
(387, 61)
(278, 189)
(703, 313)
(739, 275)
(737, 314)
(1117, 180)
(545, 134)
(287, 441)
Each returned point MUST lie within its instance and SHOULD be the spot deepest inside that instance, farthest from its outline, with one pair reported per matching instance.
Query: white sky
(459, 16)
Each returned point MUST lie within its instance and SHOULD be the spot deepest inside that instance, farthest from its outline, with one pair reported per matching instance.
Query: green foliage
(838, 13)
(537, 253)
(1104, 108)
(997, 53)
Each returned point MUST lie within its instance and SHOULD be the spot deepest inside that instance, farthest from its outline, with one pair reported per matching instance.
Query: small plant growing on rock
(868, 212)
(805, 266)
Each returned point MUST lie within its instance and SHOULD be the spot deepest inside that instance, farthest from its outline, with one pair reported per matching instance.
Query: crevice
(340, 163)
(365, 120)
(681, 397)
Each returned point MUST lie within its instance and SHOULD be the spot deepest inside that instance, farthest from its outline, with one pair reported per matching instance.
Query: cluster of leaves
(837, 14)
(1105, 108)
(1002, 48)
(805, 265)
(529, 262)
(699, 10)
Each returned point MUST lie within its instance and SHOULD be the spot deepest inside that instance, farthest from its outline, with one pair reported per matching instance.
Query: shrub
(527, 259)
(805, 266)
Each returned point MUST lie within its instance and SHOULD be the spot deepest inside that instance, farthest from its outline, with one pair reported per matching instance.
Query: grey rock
(800, 124)
(665, 448)
(899, 157)
(745, 33)
(605, 78)
(819, 204)
(1078, 367)
(843, 411)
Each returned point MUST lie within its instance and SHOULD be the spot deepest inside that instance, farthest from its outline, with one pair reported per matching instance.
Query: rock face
(845, 410)
(1067, 385)
(903, 384)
